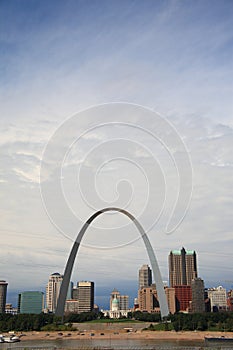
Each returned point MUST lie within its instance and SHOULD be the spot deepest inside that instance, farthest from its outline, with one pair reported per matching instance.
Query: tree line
(219, 321)
(25, 322)
(35, 322)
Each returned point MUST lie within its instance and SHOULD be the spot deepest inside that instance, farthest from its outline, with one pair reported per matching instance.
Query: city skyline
(145, 280)
(182, 294)
(60, 58)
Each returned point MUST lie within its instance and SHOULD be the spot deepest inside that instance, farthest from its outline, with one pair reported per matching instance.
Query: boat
(11, 339)
(219, 340)
(1, 339)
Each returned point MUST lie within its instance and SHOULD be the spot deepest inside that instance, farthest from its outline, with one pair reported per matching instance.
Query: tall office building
(52, 291)
(145, 276)
(123, 300)
(85, 296)
(3, 291)
(182, 267)
(198, 302)
(30, 302)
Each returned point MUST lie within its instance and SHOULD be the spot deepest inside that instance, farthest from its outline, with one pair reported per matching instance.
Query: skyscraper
(198, 302)
(85, 296)
(182, 267)
(30, 302)
(145, 276)
(52, 291)
(3, 291)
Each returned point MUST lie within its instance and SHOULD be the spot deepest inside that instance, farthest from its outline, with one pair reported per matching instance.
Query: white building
(52, 291)
(123, 300)
(9, 309)
(119, 305)
(218, 298)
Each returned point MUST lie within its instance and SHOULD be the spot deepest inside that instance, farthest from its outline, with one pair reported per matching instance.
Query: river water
(118, 344)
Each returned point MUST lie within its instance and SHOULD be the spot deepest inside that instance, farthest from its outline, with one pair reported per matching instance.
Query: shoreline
(105, 335)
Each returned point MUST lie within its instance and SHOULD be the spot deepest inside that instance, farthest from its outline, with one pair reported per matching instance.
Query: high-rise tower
(85, 296)
(3, 291)
(145, 276)
(52, 291)
(198, 303)
(182, 267)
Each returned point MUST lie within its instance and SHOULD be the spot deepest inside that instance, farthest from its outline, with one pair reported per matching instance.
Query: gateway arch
(70, 263)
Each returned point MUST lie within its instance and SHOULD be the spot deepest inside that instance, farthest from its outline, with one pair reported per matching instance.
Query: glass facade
(30, 302)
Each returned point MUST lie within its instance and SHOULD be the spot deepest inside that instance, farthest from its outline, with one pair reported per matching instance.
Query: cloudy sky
(58, 59)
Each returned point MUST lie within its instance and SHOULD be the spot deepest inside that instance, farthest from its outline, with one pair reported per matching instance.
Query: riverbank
(122, 334)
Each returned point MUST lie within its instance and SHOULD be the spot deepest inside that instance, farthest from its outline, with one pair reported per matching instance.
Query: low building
(171, 299)
(31, 302)
(135, 304)
(148, 299)
(9, 309)
(72, 306)
(183, 295)
(218, 298)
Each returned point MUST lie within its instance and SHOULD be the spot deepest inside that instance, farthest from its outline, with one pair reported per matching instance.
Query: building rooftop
(115, 291)
(178, 252)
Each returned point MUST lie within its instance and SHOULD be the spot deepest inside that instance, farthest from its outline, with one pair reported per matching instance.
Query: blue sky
(60, 57)
(174, 46)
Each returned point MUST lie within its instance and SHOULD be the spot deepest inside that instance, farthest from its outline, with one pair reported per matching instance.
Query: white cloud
(177, 60)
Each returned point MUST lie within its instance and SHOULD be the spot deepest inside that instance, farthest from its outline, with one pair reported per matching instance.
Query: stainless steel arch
(69, 266)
